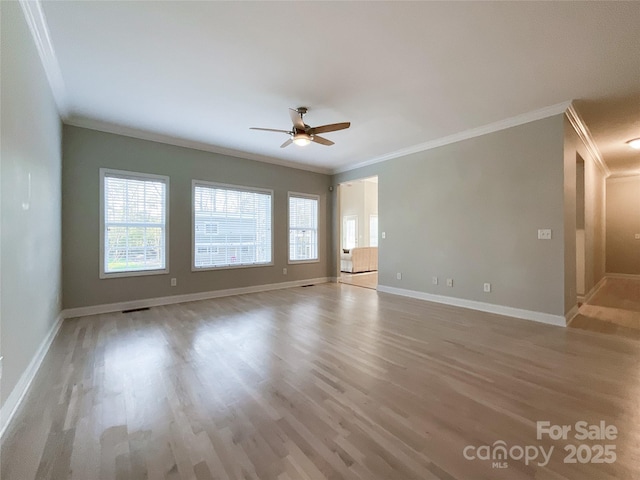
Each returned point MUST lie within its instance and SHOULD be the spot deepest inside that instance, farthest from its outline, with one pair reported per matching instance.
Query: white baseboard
(595, 288)
(548, 318)
(189, 297)
(572, 313)
(631, 276)
(18, 393)
(585, 298)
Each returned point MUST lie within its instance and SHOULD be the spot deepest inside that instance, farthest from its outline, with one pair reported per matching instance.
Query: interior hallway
(614, 308)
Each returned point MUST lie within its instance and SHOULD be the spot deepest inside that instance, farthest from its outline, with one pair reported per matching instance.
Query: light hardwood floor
(366, 280)
(325, 382)
(614, 308)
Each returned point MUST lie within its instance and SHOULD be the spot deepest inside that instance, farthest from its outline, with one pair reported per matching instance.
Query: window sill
(230, 267)
(134, 273)
(294, 262)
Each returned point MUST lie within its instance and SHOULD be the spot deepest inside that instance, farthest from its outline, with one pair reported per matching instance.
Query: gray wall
(594, 216)
(86, 151)
(30, 226)
(623, 223)
(470, 211)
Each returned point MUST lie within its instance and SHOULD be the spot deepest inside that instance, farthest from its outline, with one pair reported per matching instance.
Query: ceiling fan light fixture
(301, 139)
(635, 143)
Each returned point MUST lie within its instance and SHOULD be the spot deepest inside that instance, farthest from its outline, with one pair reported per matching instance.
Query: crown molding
(624, 177)
(33, 14)
(182, 142)
(585, 135)
(539, 114)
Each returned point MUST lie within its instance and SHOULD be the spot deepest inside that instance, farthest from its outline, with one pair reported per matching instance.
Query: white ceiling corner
(182, 142)
(545, 112)
(35, 18)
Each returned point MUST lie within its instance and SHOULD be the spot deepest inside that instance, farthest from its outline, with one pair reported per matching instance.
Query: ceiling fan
(302, 134)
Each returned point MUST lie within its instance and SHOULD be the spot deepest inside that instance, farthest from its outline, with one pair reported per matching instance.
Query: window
(373, 230)
(350, 231)
(133, 209)
(231, 226)
(303, 227)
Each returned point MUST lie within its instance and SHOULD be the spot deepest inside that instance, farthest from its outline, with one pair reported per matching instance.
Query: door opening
(358, 232)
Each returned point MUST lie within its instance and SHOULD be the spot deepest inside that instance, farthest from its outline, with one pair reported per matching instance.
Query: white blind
(303, 228)
(134, 223)
(232, 227)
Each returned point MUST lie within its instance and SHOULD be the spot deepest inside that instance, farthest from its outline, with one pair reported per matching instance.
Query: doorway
(358, 232)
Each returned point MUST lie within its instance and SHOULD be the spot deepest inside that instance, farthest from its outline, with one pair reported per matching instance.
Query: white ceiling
(404, 74)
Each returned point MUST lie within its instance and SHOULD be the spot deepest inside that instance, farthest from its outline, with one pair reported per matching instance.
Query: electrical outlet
(384, 234)
(449, 282)
(544, 234)
(487, 287)
(174, 282)
(399, 276)
(434, 280)
(284, 271)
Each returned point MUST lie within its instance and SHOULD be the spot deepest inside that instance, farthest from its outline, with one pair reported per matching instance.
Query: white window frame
(238, 188)
(371, 237)
(344, 230)
(106, 172)
(310, 197)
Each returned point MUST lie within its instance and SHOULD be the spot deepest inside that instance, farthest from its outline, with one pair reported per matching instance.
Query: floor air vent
(135, 310)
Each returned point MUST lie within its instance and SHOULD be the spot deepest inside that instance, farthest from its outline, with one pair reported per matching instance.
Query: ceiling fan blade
(321, 140)
(269, 130)
(329, 128)
(296, 118)
(287, 143)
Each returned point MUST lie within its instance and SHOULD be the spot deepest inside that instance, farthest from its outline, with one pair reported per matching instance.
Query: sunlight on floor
(366, 279)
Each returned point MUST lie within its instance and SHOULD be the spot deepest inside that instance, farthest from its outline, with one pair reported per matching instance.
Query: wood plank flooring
(325, 382)
(366, 279)
(614, 308)
(620, 293)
